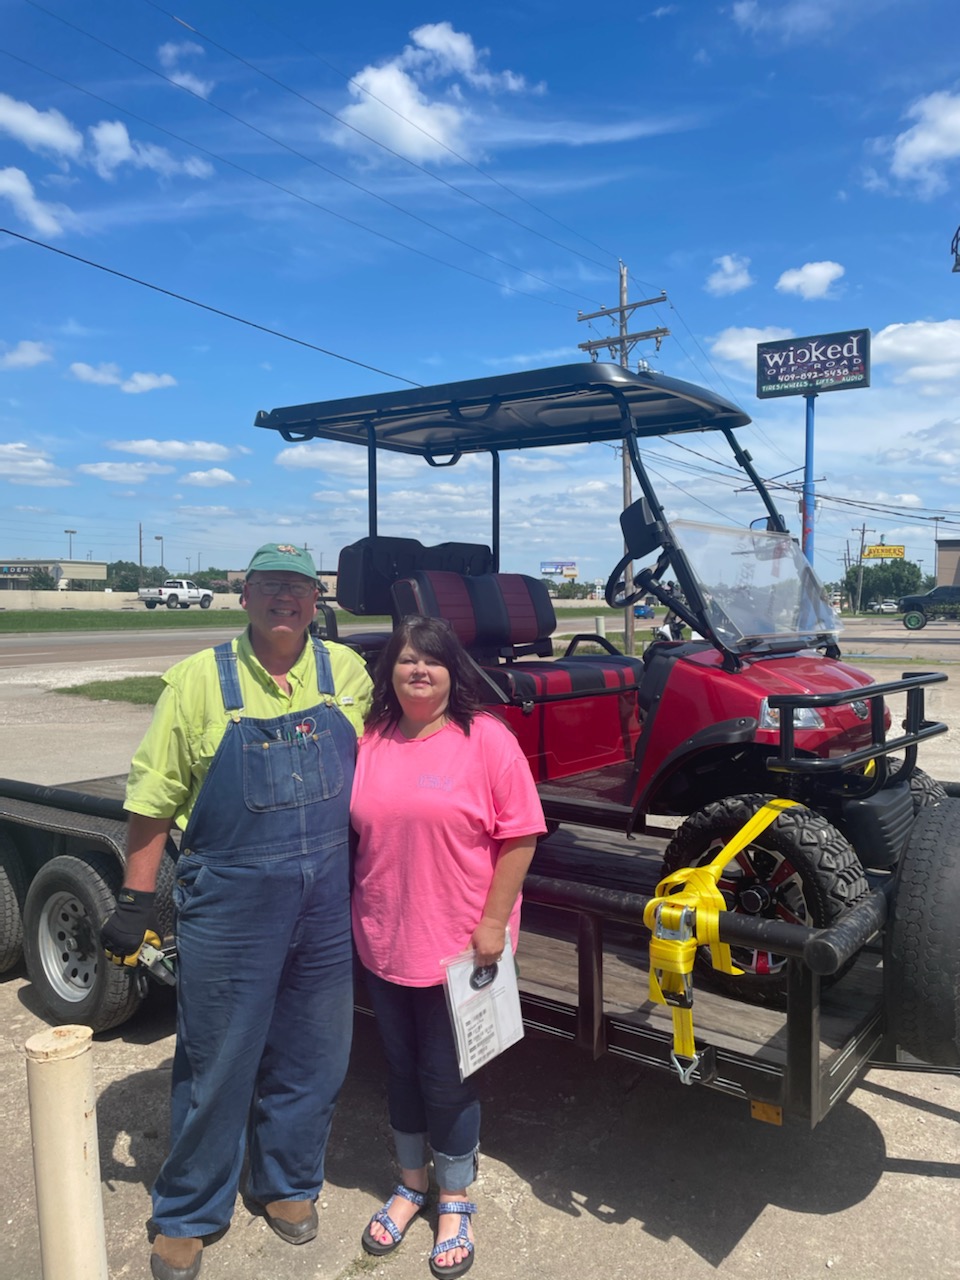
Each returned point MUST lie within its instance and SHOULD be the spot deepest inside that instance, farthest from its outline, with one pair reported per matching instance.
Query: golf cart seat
(503, 618)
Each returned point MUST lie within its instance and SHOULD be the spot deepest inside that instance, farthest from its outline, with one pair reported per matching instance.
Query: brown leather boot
(295, 1221)
(176, 1258)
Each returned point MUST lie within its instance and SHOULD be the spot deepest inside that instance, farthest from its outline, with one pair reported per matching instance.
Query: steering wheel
(615, 585)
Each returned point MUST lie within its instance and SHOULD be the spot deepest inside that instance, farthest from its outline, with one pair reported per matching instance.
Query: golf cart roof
(569, 404)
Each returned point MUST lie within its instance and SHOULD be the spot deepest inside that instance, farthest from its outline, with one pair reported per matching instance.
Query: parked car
(941, 602)
(883, 606)
(643, 611)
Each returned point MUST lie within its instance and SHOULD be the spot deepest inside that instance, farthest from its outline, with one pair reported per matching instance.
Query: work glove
(132, 924)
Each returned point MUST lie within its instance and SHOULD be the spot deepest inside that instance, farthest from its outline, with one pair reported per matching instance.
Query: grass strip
(142, 691)
(34, 620)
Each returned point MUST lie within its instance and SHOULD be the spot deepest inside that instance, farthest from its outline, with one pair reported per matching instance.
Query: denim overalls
(265, 998)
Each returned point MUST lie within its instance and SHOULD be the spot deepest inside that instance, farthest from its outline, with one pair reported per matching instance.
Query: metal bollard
(600, 625)
(66, 1158)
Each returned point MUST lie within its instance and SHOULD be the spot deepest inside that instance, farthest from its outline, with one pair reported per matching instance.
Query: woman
(447, 816)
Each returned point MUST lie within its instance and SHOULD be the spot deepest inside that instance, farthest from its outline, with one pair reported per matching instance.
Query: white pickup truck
(176, 593)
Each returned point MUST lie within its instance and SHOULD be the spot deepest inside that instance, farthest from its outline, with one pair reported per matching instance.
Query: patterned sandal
(466, 1209)
(372, 1245)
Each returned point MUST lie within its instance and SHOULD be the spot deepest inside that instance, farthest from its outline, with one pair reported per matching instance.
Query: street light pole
(69, 533)
(158, 537)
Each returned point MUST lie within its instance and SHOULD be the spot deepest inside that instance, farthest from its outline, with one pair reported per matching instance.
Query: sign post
(805, 367)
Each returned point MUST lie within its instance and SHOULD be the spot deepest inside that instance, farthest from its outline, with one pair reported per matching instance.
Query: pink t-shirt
(431, 815)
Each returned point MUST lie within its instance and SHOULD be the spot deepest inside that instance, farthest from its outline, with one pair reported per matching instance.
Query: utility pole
(936, 549)
(140, 541)
(619, 347)
(863, 531)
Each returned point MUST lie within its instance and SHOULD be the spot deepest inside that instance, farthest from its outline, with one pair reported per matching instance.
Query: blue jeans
(264, 1023)
(430, 1108)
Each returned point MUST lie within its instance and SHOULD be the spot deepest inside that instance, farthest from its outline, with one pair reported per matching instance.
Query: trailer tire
(172, 602)
(67, 903)
(921, 958)
(799, 869)
(13, 891)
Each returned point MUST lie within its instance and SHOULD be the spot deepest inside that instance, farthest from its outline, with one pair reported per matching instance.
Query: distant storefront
(15, 574)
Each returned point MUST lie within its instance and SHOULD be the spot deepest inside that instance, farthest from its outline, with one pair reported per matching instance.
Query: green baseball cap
(282, 557)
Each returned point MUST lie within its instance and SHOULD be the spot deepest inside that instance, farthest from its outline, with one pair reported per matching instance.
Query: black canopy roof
(569, 404)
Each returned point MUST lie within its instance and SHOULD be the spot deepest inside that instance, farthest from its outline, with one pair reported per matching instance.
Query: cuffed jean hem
(454, 1172)
(413, 1149)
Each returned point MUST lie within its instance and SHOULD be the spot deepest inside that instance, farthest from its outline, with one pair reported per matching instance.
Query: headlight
(803, 717)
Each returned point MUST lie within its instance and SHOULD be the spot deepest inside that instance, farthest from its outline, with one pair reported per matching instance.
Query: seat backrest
(494, 615)
(369, 567)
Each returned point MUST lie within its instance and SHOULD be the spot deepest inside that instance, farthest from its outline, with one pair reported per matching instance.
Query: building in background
(15, 574)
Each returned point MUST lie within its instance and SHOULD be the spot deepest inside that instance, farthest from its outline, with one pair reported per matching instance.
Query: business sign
(806, 366)
(880, 551)
(558, 568)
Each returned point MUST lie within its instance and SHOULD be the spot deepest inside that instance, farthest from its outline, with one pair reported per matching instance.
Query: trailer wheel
(67, 903)
(915, 620)
(13, 890)
(800, 870)
(921, 959)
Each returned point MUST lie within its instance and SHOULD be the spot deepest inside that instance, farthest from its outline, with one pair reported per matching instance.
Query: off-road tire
(13, 891)
(67, 903)
(914, 620)
(824, 880)
(921, 958)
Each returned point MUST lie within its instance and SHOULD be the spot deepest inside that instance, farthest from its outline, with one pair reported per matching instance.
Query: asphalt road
(599, 1169)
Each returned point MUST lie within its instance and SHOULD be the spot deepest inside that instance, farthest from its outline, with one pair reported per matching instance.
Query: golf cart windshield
(757, 588)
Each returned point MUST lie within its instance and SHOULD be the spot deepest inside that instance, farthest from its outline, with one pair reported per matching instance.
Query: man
(251, 753)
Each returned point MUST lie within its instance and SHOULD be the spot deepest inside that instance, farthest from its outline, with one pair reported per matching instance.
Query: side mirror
(641, 533)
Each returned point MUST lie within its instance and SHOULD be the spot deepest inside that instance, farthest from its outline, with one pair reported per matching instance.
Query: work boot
(176, 1258)
(295, 1221)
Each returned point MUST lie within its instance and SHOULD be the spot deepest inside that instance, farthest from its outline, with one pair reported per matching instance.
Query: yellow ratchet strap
(684, 914)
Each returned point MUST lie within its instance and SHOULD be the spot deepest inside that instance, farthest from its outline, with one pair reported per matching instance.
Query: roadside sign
(807, 366)
(880, 551)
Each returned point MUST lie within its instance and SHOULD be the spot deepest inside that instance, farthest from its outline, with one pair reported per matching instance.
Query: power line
(307, 160)
(217, 311)
(389, 150)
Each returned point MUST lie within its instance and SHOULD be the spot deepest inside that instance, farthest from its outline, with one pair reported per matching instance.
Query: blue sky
(437, 191)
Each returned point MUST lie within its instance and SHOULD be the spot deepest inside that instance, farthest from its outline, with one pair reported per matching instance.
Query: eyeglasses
(273, 587)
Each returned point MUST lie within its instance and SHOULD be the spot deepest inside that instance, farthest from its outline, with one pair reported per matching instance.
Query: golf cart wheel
(800, 870)
(67, 903)
(924, 790)
(13, 890)
(914, 620)
(921, 962)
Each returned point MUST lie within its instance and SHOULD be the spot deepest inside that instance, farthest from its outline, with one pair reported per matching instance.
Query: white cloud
(109, 375)
(171, 55)
(139, 382)
(112, 147)
(799, 19)
(21, 463)
(45, 219)
(731, 276)
(925, 352)
(812, 280)
(26, 355)
(215, 513)
(124, 472)
(342, 460)
(208, 479)
(47, 131)
(740, 345)
(921, 152)
(399, 102)
(174, 450)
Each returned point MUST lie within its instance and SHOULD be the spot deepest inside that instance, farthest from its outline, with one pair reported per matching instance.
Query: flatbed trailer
(583, 956)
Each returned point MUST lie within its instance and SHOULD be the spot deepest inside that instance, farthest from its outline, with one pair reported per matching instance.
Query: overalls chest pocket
(282, 774)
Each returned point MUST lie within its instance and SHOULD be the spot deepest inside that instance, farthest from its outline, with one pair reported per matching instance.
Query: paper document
(484, 1007)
